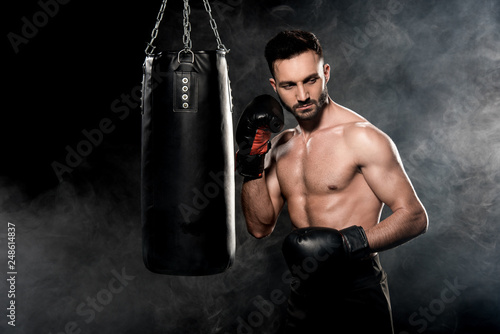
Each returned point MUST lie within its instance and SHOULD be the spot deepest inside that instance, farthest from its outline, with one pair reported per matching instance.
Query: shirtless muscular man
(335, 170)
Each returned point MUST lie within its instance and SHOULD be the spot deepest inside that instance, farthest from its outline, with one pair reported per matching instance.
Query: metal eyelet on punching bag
(187, 167)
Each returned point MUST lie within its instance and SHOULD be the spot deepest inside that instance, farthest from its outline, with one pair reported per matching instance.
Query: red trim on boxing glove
(260, 142)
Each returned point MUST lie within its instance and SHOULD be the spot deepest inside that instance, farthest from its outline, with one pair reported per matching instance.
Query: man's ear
(326, 72)
(273, 83)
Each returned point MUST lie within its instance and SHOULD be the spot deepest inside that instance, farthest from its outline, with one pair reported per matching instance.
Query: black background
(427, 74)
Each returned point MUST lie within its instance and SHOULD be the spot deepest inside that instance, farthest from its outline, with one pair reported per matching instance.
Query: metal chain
(186, 38)
(220, 46)
(150, 47)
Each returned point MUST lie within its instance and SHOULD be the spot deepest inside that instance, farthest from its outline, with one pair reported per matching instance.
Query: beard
(315, 106)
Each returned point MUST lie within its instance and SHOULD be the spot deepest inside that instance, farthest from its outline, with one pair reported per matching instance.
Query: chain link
(186, 38)
(150, 47)
(220, 46)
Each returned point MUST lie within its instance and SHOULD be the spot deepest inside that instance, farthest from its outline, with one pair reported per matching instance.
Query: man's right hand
(347, 244)
(253, 133)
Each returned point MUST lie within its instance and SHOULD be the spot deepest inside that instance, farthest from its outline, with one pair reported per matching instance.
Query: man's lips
(305, 106)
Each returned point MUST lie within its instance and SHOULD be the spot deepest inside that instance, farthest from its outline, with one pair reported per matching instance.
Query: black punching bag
(188, 209)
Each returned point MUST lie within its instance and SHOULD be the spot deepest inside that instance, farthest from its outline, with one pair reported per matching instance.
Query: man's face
(300, 83)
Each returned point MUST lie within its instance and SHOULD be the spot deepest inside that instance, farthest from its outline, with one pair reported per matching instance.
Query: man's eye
(312, 80)
(287, 87)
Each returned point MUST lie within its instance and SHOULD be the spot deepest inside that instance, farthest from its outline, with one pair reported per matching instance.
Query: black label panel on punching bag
(185, 91)
(188, 197)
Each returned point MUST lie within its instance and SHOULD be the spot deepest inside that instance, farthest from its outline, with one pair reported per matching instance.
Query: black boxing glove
(355, 242)
(320, 255)
(324, 246)
(253, 133)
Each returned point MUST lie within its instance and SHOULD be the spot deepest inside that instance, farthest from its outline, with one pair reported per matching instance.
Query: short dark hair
(290, 43)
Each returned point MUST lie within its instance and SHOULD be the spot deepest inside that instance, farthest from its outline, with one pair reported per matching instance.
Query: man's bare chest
(316, 166)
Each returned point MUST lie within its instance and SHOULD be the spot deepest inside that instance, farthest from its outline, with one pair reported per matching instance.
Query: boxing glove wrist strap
(250, 166)
(355, 242)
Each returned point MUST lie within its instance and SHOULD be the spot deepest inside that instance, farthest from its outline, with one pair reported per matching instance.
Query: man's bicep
(273, 188)
(384, 173)
(272, 182)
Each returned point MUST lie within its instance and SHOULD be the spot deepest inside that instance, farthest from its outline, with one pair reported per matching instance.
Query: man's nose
(302, 94)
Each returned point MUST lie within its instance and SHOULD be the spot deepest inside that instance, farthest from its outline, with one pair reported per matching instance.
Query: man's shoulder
(276, 142)
(363, 132)
(352, 125)
(283, 137)
(368, 143)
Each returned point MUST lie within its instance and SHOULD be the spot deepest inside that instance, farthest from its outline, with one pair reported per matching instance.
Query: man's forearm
(257, 207)
(401, 226)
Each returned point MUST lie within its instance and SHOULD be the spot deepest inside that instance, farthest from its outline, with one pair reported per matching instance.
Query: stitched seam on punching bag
(227, 130)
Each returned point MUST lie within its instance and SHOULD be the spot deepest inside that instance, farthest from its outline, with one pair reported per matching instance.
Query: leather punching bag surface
(188, 211)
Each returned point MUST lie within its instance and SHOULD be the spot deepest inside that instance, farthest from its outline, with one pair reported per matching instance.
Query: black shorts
(355, 300)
